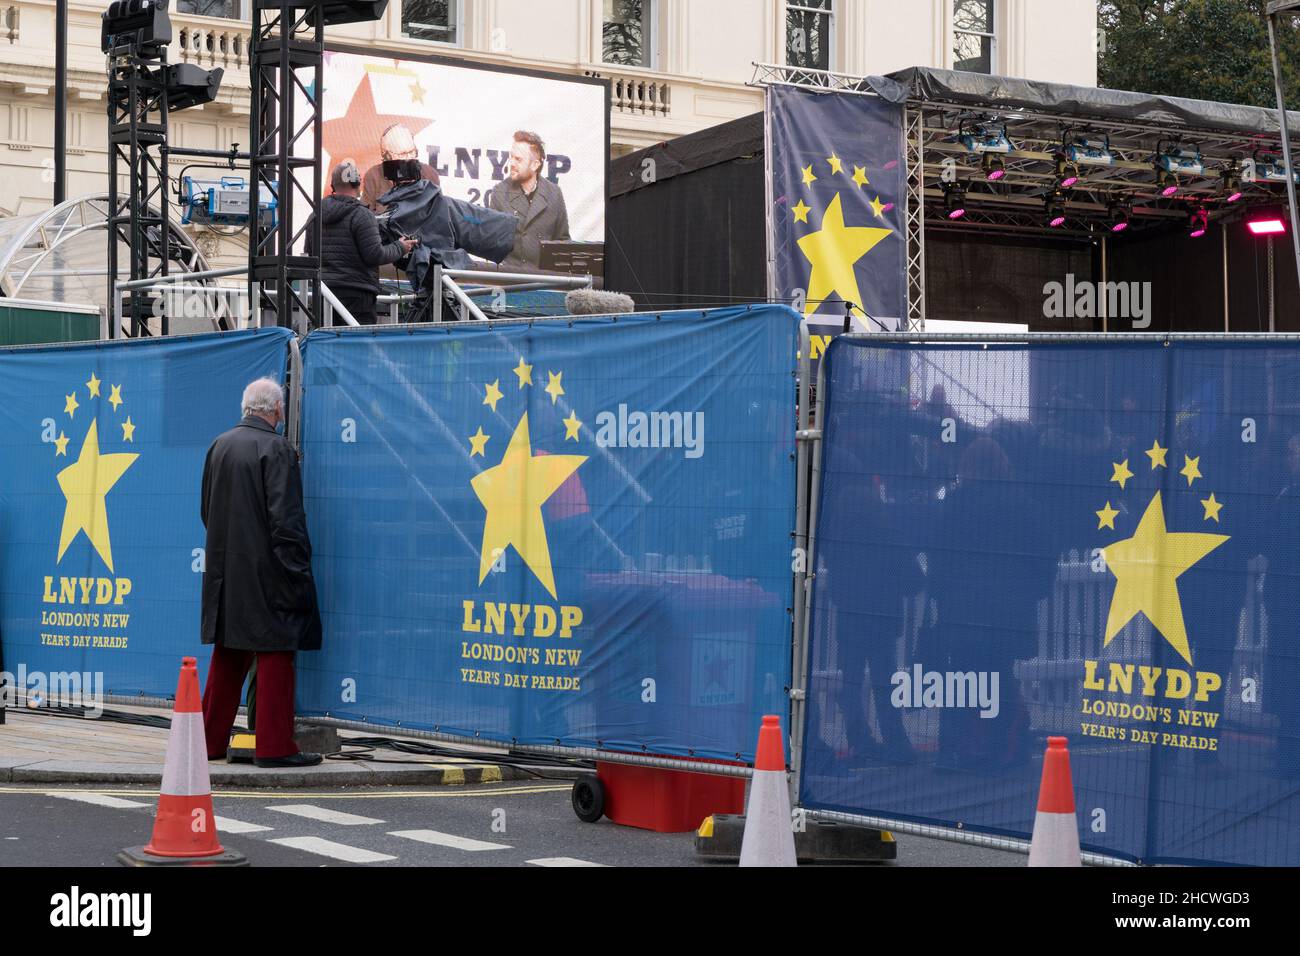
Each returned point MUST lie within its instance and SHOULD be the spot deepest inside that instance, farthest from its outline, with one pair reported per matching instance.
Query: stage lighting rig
(337, 12)
(190, 85)
(1119, 216)
(1054, 214)
(994, 167)
(1199, 223)
(1271, 167)
(954, 200)
(1067, 173)
(1089, 152)
(1171, 163)
(141, 27)
(1230, 186)
(985, 139)
(1267, 221)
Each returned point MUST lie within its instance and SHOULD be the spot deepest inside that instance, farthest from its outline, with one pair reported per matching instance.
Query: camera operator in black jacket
(351, 248)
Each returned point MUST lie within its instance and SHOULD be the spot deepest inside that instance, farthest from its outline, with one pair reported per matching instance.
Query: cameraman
(351, 249)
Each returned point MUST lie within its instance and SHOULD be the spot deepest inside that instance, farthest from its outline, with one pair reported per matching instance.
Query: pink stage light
(1069, 181)
(996, 174)
(1057, 221)
(957, 213)
(1233, 197)
(1119, 226)
(1169, 191)
(1266, 227)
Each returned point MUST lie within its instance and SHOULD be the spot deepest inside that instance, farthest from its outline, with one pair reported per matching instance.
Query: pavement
(39, 746)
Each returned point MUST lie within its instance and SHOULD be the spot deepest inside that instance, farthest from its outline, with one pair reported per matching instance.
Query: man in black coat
(351, 249)
(259, 596)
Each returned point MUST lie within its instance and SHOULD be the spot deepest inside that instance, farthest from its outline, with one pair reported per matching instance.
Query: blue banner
(571, 532)
(1100, 541)
(838, 236)
(101, 456)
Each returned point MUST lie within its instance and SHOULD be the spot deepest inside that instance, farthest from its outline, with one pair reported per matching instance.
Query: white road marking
(336, 851)
(448, 840)
(98, 799)
(227, 825)
(562, 861)
(326, 816)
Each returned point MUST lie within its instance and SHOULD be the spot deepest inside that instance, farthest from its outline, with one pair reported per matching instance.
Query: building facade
(674, 66)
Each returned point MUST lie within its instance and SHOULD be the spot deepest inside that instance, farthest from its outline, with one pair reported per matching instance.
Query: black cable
(526, 763)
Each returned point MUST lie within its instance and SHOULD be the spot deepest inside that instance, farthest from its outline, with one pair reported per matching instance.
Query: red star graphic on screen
(355, 135)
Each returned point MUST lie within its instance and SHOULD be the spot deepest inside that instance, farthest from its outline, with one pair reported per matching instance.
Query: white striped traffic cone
(1056, 831)
(185, 829)
(769, 836)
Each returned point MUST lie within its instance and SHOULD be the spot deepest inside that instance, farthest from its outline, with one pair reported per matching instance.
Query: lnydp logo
(527, 646)
(90, 439)
(1175, 707)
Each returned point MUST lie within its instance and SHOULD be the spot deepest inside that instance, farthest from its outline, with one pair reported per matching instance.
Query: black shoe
(292, 760)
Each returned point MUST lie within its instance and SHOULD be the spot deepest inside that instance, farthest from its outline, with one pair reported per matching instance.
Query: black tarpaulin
(686, 154)
(1003, 93)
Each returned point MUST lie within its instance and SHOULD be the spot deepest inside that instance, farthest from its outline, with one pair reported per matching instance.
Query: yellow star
(128, 430)
(1157, 456)
(513, 493)
(1191, 469)
(860, 176)
(553, 386)
(571, 426)
(1212, 508)
(417, 92)
(1122, 474)
(93, 385)
(85, 483)
(61, 445)
(70, 405)
(833, 250)
(837, 165)
(1106, 517)
(801, 210)
(1146, 567)
(115, 399)
(477, 441)
(878, 208)
(525, 373)
(808, 177)
(493, 394)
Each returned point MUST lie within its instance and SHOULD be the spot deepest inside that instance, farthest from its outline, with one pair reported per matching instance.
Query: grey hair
(261, 397)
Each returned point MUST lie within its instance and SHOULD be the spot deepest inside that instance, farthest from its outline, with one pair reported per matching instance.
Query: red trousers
(274, 700)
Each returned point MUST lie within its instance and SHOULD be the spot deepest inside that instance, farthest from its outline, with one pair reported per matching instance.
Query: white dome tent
(59, 255)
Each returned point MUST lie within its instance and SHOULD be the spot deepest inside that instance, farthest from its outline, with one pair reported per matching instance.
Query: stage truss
(1016, 204)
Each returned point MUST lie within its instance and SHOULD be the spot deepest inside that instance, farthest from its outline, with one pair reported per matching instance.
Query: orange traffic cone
(1056, 830)
(185, 829)
(769, 836)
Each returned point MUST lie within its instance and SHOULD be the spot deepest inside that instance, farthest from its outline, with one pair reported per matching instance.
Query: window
(435, 20)
(627, 36)
(973, 35)
(808, 34)
(230, 9)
